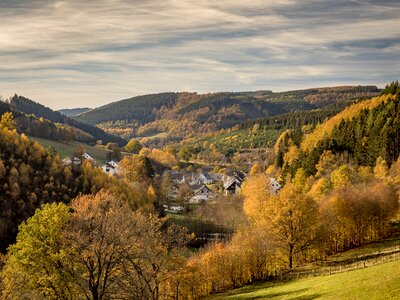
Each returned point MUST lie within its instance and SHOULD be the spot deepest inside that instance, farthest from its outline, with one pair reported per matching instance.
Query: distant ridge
(70, 112)
(171, 117)
(27, 106)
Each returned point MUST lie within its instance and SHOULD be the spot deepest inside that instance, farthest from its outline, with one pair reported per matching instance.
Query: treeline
(28, 106)
(30, 177)
(297, 119)
(370, 134)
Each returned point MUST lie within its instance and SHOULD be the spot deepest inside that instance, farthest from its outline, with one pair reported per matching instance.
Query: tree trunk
(291, 257)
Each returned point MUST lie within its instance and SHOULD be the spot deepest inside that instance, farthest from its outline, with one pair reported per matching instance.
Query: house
(113, 163)
(202, 194)
(67, 161)
(274, 185)
(76, 161)
(233, 184)
(172, 192)
(204, 178)
(111, 168)
(87, 156)
(175, 209)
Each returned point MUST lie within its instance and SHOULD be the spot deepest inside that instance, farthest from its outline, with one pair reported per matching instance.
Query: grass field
(67, 149)
(378, 282)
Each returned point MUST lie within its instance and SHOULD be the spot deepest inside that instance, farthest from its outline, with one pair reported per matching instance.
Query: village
(186, 188)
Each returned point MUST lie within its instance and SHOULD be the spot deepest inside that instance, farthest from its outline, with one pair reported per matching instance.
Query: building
(233, 184)
(201, 195)
(274, 185)
(111, 168)
(87, 156)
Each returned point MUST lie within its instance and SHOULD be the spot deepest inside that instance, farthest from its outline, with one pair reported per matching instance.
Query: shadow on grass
(254, 292)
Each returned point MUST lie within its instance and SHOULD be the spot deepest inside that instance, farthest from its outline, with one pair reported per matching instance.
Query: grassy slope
(67, 149)
(378, 282)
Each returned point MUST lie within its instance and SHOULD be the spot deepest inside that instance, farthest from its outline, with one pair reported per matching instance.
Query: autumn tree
(133, 146)
(7, 121)
(136, 168)
(292, 219)
(256, 192)
(123, 254)
(38, 265)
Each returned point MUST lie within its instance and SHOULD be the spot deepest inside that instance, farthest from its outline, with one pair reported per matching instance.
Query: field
(378, 282)
(67, 149)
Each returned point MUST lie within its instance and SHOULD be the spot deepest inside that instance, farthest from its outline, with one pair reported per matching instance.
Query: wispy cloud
(75, 53)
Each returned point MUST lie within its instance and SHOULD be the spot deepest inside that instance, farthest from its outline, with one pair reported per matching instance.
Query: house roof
(230, 181)
(202, 188)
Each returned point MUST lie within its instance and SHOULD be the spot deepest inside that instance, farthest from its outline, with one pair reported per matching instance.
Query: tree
(133, 146)
(99, 234)
(136, 168)
(292, 219)
(185, 152)
(38, 265)
(7, 121)
(51, 151)
(255, 168)
(78, 152)
(124, 254)
(256, 192)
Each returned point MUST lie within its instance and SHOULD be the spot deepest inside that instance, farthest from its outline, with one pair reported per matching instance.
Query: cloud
(87, 53)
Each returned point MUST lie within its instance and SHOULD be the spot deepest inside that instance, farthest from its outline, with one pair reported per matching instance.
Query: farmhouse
(202, 194)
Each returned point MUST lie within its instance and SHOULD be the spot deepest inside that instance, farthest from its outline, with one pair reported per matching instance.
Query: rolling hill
(172, 117)
(37, 120)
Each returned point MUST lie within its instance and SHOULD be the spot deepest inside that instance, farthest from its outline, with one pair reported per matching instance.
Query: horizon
(67, 54)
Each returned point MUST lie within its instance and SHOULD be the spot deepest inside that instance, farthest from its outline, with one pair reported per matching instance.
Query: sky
(88, 53)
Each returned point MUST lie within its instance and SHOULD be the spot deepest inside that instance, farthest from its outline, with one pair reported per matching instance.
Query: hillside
(20, 104)
(361, 133)
(73, 111)
(378, 282)
(172, 117)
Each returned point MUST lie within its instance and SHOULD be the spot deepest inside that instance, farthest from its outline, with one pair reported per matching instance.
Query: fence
(359, 262)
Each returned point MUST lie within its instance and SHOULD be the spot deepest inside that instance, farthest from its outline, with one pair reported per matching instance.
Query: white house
(203, 194)
(67, 161)
(111, 168)
(87, 156)
(113, 163)
(274, 185)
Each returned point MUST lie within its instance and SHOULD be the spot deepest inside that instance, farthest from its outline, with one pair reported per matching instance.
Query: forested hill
(191, 114)
(27, 106)
(360, 134)
(73, 111)
(30, 177)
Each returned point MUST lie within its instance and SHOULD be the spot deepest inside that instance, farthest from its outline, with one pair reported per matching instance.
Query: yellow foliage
(349, 113)
(256, 192)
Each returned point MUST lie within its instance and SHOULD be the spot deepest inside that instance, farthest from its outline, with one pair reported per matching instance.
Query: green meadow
(378, 282)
